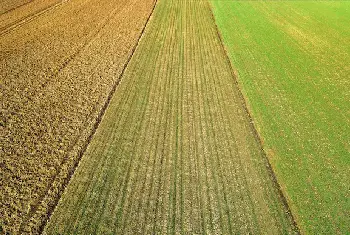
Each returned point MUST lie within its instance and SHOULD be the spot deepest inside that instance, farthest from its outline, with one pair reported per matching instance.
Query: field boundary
(52, 207)
(82, 133)
(256, 134)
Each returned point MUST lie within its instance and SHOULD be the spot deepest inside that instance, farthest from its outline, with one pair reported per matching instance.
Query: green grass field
(293, 63)
(176, 152)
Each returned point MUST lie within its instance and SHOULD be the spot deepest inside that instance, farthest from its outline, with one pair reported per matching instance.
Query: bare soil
(59, 70)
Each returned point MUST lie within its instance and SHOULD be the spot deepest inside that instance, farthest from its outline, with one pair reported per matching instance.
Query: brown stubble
(60, 70)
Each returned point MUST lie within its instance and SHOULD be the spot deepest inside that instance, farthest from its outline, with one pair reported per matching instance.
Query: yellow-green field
(176, 152)
(293, 64)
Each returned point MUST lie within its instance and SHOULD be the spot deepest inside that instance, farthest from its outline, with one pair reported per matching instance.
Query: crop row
(175, 151)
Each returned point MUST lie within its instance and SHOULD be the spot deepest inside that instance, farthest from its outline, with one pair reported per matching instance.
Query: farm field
(60, 63)
(9, 5)
(24, 13)
(176, 151)
(292, 59)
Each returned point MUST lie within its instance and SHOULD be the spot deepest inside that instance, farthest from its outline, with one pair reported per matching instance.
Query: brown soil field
(9, 5)
(59, 70)
(26, 13)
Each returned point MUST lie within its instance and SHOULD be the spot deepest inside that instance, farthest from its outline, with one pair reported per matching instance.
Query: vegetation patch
(292, 60)
(175, 152)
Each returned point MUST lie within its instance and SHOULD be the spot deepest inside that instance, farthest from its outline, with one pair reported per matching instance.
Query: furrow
(20, 22)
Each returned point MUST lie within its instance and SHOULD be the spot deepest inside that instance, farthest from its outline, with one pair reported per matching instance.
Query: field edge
(38, 220)
(282, 193)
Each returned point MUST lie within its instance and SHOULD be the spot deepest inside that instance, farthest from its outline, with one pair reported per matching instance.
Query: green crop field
(176, 151)
(293, 64)
(174, 117)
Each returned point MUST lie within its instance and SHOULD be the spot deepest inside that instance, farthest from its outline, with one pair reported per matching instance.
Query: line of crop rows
(59, 71)
(175, 151)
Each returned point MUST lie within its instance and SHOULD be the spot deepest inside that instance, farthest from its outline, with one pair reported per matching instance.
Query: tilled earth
(61, 61)
(9, 5)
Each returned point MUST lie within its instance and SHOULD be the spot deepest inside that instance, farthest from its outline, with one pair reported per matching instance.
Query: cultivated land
(61, 61)
(293, 61)
(9, 5)
(25, 13)
(176, 151)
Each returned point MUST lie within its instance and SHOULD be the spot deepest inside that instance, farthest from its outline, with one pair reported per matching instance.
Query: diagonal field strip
(175, 151)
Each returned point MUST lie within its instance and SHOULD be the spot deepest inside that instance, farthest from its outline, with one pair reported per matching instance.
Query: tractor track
(25, 20)
(97, 122)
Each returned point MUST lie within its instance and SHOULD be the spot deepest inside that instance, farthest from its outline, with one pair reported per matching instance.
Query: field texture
(9, 5)
(293, 62)
(26, 13)
(61, 61)
(176, 151)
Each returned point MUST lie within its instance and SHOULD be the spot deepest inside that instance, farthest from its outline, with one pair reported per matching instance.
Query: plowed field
(60, 62)
(9, 5)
